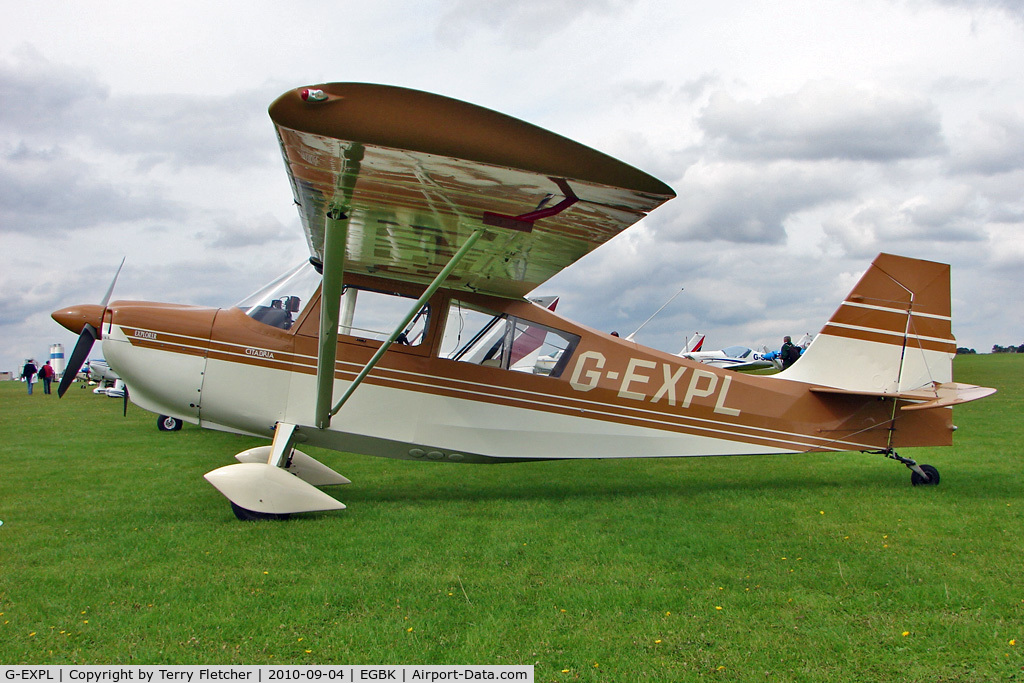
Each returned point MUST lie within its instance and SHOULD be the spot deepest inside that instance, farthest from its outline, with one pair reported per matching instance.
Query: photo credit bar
(405, 673)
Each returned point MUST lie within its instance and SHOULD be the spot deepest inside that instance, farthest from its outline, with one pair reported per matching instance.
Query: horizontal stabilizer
(952, 393)
(304, 467)
(267, 489)
(938, 395)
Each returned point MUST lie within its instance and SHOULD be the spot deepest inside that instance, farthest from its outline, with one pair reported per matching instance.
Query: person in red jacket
(46, 374)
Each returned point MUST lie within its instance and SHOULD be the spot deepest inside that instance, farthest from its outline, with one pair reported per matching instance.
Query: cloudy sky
(801, 136)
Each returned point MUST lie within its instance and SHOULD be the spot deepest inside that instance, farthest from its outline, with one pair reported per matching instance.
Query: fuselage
(605, 396)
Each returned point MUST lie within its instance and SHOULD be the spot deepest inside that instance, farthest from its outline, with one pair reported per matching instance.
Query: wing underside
(416, 174)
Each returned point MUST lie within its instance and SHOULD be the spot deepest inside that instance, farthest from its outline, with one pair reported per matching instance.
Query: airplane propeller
(82, 348)
(86, 339)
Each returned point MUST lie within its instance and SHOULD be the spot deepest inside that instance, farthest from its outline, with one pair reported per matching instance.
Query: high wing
(416, 173)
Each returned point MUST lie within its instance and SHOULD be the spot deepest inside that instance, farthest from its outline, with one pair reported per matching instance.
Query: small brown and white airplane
(408, 335)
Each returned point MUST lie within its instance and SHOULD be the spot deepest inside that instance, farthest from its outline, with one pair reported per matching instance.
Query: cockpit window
(474, 335)
(373, 314)
(278, 303)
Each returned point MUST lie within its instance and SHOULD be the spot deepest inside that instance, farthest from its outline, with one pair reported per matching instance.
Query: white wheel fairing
(264, 488)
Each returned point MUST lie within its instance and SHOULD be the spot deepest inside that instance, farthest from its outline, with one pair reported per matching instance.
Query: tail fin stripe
(896, 321)
(888, 338)
(900, 311)
(894, 333)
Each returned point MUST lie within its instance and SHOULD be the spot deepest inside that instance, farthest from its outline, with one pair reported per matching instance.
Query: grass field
(789, 568)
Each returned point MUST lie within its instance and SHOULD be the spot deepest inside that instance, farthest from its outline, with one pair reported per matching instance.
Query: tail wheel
(166, 423)
(933, 476)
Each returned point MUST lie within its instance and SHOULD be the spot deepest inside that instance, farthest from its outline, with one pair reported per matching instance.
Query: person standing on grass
(29, 374)
(790, 352)
(46, 373)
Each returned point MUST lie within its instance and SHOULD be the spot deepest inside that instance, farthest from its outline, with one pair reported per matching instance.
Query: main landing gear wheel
(933, 476)
(166, 423)
(253, 516)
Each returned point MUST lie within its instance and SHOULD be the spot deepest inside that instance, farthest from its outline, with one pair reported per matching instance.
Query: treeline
(960, 350)
(1008, 349)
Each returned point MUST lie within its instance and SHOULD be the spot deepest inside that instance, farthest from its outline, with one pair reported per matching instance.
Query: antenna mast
(630, 337)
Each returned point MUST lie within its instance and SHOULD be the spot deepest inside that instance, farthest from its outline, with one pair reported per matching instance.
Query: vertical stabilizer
(892, 333)
(693, 344)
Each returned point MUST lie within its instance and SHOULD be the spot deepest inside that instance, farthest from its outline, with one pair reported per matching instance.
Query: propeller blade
(125, 413)
(110, 290)
(78, 356)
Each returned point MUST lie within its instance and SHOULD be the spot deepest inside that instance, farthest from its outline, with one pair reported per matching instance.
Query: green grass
(114, 550)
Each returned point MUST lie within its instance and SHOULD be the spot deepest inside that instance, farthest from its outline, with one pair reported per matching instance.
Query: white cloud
(1010, 8)
(992, 144)
(518, 25)
(824, 121)
(748, 201)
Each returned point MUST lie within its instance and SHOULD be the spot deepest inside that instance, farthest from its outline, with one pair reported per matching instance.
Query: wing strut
(335, 239)
(429, 292)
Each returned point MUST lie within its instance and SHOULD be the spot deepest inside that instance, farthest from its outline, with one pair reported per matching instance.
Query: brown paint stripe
(636, 417)
(890, 338)
(502, 395)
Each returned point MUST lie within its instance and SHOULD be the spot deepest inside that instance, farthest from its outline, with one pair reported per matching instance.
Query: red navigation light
(313, 95)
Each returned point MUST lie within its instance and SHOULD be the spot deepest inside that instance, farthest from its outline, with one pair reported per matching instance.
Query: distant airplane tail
(693, 344)
(805, 340)
(892, 333)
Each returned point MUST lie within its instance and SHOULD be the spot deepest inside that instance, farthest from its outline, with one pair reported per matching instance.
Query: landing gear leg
(920, 475)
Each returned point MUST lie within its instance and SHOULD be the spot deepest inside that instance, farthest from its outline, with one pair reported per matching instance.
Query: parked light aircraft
(110, 384)
(741, 358)
(428, 221)
(99, 371)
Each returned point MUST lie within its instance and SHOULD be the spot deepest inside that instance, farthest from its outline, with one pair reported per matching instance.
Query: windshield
(736, 351)
(277, 304)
